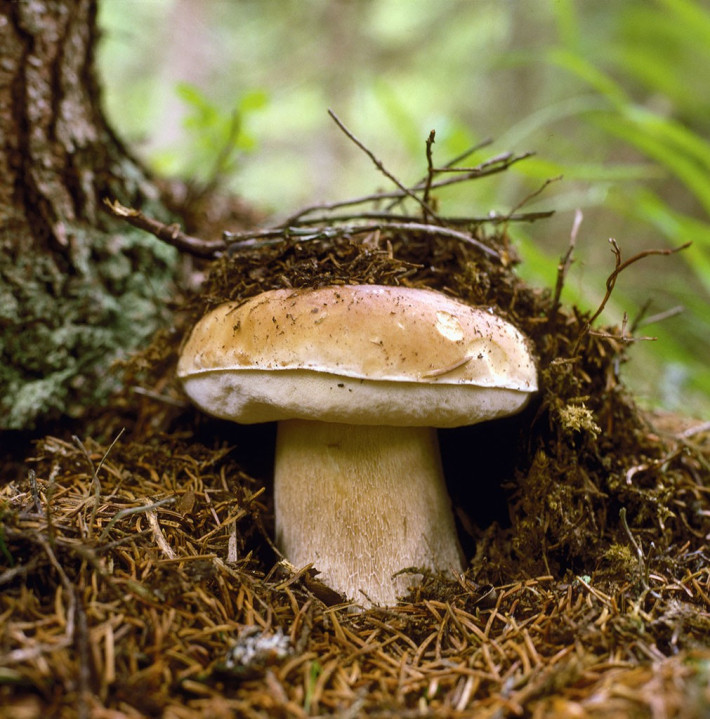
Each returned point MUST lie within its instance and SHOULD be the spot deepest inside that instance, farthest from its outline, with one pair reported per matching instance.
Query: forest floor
(139, 576)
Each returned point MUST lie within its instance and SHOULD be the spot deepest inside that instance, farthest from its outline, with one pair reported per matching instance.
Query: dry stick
(467, 221)
(482, 168)
(158, 397)
(32, 476)
(50, 488)
(534, 194)
(661, 316)
(698, 429)
(241, 239)
(636, 322)
(611, 281)
(203, 248)
(431, 229)
(208, 249)
(449, 166)
(158, 535)
(95, 481)
(641, 320)
(522, 203)
(172, 234)
(470, 151)
(329, 206)
(430, 171)
(622, 336)
(643, 564)
(490, 167)
(493, 166)
(563, 269)
(378, 164)
(21, 570)
(82, 643)
(397, 197)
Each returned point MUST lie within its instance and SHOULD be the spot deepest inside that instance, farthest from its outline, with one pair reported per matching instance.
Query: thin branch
(231, 238)
(479, 169)
(492, 166)
(624, 336)
(534, 194)
(306, 234)
(430, 171)
(234, 240)
(467, 153)
(431, 229)
(639, 552)
(563, 268)
(492, 219)
(449, 166)
(611, 280)
(172, 234)
(697, 429)
(380, 166)
(296, 218)
(621, 266)
(32, 476)
(298, 228)
(158, 397)
(641, 320)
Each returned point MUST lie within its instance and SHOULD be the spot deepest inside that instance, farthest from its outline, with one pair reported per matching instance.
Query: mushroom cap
(362, 354)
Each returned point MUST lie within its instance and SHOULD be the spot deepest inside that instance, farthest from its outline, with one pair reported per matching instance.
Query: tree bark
(77, 290)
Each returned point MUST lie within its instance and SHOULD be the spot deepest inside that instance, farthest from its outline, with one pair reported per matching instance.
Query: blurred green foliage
(652, 83)
(216, 136)
(611, 95)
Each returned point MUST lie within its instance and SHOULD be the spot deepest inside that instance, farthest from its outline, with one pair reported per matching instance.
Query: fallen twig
(611, 281)
(380, 166)
(562, 270)
(172, 234)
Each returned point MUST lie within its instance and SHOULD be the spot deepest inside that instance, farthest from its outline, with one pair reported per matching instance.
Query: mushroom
(358, 377)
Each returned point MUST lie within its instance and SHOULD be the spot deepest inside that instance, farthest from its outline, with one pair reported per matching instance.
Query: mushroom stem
(362, 503)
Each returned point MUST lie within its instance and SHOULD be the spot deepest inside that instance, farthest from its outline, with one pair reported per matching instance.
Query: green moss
(578, 418)
(63, 328)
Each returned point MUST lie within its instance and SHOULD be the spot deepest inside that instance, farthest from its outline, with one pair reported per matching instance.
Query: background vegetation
(611, 95)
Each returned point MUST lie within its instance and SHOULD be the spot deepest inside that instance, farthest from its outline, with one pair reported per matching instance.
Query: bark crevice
(74, 293)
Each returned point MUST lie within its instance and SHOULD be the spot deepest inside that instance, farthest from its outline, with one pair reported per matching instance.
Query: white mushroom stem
(362, 503)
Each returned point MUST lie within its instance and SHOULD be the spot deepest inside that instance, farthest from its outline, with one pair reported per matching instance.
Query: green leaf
(590, 73)
(253, 100)
(684, 155)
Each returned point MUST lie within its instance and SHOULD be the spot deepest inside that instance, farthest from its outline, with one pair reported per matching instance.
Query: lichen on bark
(76, 290)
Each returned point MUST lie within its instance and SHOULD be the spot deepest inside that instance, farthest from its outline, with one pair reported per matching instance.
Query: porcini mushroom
(357, 377)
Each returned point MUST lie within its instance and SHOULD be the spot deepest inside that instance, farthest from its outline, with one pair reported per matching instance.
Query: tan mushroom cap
(362, 354)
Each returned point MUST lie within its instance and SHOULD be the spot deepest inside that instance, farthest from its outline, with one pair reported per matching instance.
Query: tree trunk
(76, 289)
